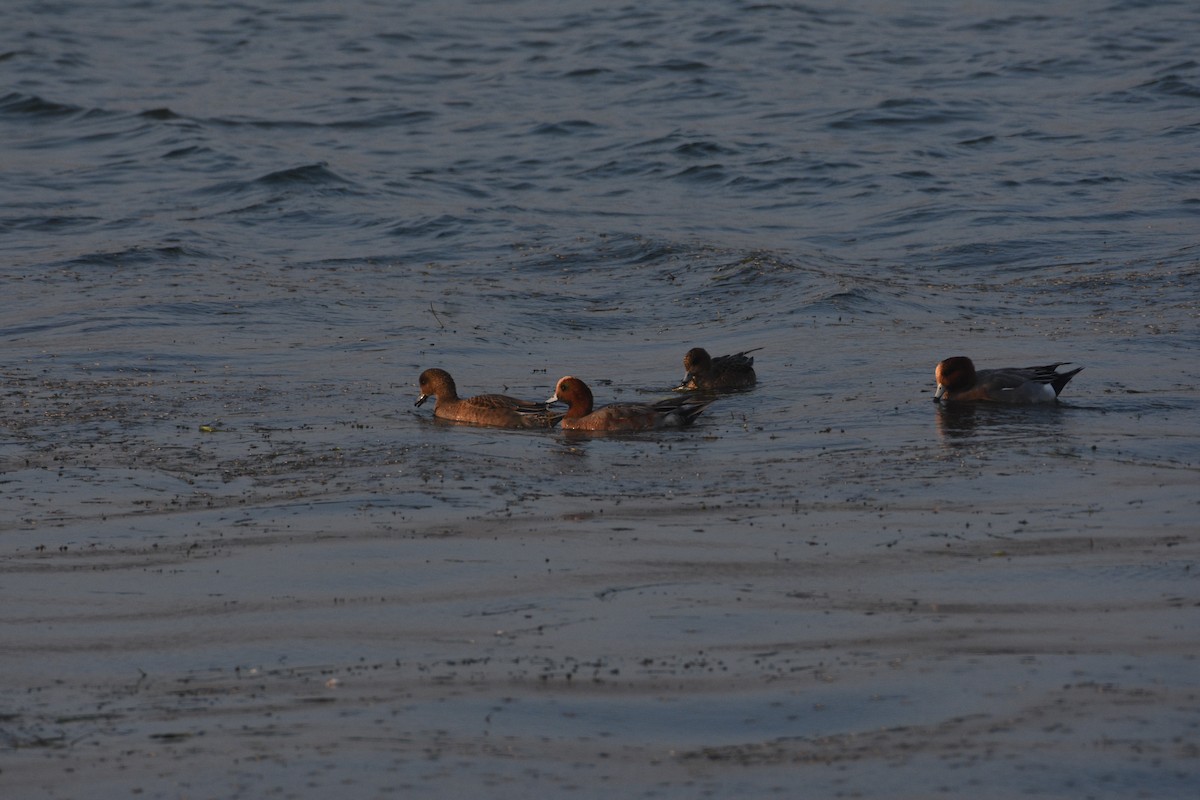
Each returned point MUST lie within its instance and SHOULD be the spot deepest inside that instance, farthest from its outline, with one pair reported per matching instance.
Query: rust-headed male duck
(734, 371)
(958, 380)
(497, 410)
(671, 413)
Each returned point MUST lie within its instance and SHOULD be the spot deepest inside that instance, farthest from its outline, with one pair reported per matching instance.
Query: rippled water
(233, 234)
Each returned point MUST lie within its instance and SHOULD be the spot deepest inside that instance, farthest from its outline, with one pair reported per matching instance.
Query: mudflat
(992, 601)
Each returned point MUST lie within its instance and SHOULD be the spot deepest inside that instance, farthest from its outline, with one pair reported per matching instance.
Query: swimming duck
(582, 416)
(486, 409)
(734, 371)
(958, 380)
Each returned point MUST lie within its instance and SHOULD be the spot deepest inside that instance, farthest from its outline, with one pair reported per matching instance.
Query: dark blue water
(1001, 136)
(232, 234)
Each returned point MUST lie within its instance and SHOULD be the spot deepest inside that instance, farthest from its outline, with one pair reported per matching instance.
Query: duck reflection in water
(984, 422)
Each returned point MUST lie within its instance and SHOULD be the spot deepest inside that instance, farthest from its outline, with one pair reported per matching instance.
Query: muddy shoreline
(339, 639)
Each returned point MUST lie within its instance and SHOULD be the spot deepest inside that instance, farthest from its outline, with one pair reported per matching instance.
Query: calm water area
(235, 561)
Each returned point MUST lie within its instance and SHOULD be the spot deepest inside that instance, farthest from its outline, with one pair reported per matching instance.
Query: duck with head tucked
(705, 373)
(497, 410)
(959, 381)
(581, 414)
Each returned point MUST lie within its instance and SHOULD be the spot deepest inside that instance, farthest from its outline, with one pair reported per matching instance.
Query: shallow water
(236, 561)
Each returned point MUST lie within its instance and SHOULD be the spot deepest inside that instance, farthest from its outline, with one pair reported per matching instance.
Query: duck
(730, 372)
(581, 415)
(497, 410)
(959, 381)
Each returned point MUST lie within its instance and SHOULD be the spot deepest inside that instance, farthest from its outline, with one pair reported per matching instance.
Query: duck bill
(421, 399)
(552, 399)
(937, 395)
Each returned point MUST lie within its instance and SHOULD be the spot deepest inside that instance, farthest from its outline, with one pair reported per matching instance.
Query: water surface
(236, 561)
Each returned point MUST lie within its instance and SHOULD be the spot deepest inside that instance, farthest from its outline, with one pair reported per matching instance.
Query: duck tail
(1062, 379)
(689, 411)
